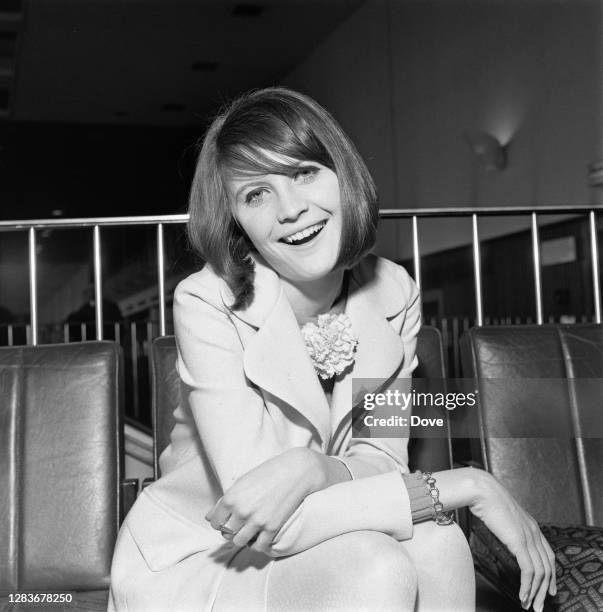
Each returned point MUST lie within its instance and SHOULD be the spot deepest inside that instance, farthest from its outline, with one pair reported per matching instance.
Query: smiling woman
(266, 500)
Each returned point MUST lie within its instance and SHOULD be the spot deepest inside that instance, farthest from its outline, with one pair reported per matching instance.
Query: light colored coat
(250, 392)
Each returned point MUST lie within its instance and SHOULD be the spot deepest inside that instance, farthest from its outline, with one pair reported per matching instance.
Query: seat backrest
(165, 393)
(433, 453)
(425, 453)
(531, 378)
(60, 465)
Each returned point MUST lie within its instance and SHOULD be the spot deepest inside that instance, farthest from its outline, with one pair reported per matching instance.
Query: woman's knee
(376, 562)
(361, 570)
(444, 565)
(437, 548)
(448, 538)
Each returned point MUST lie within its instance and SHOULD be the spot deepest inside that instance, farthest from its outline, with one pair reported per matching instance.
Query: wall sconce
(491, 153)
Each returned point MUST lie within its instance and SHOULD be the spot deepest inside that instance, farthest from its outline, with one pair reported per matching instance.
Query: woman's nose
(291, 205)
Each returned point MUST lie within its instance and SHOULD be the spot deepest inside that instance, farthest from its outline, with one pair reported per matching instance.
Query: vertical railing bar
(455, 346)
(98, 290)
(134, 350)
(33, 288)
(477, 273)
(161, 278)
(416, 253)
(149, 345)
(594, 256)
(9, 332)
(536, 261)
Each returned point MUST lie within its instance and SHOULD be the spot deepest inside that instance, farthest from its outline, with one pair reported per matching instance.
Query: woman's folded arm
(377, 503)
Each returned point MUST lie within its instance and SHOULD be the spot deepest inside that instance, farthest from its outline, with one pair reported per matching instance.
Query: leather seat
(536, 380)
(61, 467)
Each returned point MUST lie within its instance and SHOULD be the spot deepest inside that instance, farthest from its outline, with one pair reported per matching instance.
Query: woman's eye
(255, 197)
(306, 173)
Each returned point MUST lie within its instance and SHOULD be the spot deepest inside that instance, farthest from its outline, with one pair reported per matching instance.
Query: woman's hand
(258, 504)
(515, 528)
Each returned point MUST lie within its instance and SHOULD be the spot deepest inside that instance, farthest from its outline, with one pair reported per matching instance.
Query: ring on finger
(227, 531)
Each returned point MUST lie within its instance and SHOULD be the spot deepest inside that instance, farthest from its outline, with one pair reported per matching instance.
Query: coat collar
(276, 359)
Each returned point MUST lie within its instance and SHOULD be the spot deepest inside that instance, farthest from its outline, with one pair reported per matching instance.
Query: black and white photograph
(300, 305)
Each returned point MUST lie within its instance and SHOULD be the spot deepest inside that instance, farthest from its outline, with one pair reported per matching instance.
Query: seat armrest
(147, 481)
(468, 463)
(129, 491)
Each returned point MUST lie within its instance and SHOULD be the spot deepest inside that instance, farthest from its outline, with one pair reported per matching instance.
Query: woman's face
(293, 220)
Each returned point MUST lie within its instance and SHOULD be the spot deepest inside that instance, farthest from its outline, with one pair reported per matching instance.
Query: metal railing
(96, 224)
(451, 327)
(414, 214)
(474, 213)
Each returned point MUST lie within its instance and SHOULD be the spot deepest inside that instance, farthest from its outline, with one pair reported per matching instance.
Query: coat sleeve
(369, 456)
(376, 503)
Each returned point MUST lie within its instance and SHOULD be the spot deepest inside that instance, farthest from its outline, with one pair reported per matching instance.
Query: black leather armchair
(61, 471)
(536, 379)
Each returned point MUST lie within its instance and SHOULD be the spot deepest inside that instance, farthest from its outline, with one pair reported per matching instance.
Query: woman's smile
(306, 235)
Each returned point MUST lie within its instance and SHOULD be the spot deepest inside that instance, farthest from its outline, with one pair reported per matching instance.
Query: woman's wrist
(327, 471)
(462, 487)
(486, 487)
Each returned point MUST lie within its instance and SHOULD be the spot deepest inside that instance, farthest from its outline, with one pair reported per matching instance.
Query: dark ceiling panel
(110, 61)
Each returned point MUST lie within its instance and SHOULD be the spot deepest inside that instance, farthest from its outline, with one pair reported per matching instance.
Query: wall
(406, 78)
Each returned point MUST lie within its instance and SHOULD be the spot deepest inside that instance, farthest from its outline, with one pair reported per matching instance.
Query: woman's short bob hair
(292, 125)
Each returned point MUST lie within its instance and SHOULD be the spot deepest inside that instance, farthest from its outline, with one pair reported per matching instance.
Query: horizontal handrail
(386, 213)
(466, 211)
(92, 221)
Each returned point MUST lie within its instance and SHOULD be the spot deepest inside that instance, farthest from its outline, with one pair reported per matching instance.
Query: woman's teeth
(305, 235)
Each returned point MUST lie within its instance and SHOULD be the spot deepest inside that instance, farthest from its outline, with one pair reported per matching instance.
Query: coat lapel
(275, 357)
(380, 349)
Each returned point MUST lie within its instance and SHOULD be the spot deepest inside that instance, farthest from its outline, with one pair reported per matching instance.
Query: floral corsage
(331, 344)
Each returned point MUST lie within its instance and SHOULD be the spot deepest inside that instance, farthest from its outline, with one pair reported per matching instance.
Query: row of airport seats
(61, 456)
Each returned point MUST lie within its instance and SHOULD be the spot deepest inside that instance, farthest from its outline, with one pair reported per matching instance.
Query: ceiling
(102, 101)
(150, 62)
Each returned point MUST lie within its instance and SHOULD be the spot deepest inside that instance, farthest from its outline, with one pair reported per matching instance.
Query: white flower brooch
(331, 344)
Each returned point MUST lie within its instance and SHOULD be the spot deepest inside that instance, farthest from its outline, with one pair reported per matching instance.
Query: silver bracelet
(440, 517)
